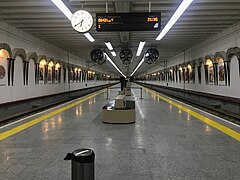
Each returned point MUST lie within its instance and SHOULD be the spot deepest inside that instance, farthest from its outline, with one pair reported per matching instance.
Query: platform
(165, 143)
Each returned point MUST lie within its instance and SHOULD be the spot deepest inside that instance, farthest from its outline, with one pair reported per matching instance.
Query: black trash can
(82, 164)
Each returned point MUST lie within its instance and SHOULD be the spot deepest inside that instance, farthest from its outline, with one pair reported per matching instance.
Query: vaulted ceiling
(44, 20)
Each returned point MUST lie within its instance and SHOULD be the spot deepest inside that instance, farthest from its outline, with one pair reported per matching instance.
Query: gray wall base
(18, 108)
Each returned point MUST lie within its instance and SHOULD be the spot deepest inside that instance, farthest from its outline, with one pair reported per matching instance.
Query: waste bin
(82, 164)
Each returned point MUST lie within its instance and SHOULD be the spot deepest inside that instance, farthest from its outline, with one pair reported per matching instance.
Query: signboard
(150, 21)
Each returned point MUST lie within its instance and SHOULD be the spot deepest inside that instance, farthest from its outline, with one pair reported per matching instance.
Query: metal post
(106, 7)
(149, 6)
(141, 94)
(107, 93)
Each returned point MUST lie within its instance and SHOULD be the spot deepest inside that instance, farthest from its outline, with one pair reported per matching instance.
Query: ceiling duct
(123, 7)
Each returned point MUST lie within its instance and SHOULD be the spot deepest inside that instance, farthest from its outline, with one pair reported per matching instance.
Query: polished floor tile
(164, 143)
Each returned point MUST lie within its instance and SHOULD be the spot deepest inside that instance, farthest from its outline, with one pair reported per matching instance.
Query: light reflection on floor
(52, 124)
(137, 105)
(208, 128)
(78, 110)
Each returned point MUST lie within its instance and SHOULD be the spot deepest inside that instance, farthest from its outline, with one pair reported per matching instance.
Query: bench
(119, 111)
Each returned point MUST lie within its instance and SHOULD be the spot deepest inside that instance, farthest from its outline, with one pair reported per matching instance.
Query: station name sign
(150, 21)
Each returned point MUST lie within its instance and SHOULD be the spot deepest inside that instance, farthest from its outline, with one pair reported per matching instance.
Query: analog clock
(82, 21)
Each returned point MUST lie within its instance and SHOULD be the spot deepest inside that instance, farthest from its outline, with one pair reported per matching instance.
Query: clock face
(82, 21)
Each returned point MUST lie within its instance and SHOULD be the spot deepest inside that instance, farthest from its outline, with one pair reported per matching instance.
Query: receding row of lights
(177, 14)
(139, 51)
(110, 48)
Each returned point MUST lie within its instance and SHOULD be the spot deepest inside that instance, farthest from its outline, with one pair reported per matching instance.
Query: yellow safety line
(42, 118)
(208, 121)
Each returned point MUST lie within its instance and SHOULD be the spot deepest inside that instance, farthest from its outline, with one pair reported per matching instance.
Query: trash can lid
(84, 155)
(83, 152)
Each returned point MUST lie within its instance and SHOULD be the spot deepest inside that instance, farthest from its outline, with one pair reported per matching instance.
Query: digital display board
(150, 21)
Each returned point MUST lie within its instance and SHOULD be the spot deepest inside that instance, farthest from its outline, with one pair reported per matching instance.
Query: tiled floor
(164, 143)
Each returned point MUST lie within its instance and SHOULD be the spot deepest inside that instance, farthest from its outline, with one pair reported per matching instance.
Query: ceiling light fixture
(63, 8)
(89, 37)
(68, 14)
(109, 46)
(180, 10)
(114, 65)
(113, 53)
(138, 66)
(140, 48)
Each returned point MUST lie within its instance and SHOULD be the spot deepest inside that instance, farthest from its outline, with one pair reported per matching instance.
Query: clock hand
(79, 23)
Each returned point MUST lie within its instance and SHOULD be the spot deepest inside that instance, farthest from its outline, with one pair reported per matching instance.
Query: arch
(33, 56)
(7, 48)
(75, 73)
(32, 72)
(232, 66)
(188, 72)
(211, 57)
(49, 59)
(19, 52)
(184, 65)
(67, 65)
(176, 67)
(222, 72)
(57, 72)
(209, 67)
(193, 62)
(234, 51)
(200, 61)
(41, 57)
(70, 73)
(6, 64)
(185, 73)
(220, 54)
(63, 64)
(171, 74)
(194, 70)
(50, 70)
(57, 65)
(64, 68)
(41, 70)
(180, 73)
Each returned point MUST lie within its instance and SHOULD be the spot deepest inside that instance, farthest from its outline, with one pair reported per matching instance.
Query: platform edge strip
(207, 120)
(24, 126)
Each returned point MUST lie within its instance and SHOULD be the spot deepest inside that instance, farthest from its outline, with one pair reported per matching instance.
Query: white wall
(18, 39)
(221, 42)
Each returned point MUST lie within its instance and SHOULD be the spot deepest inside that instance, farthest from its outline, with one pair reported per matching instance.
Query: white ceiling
(44, 20)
